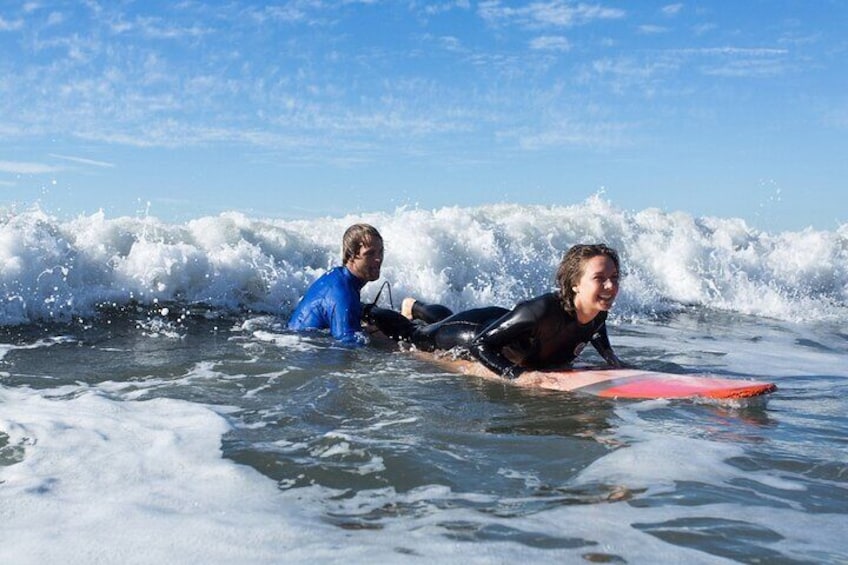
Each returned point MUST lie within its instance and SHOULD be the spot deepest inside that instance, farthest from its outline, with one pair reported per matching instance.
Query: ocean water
(153, 408)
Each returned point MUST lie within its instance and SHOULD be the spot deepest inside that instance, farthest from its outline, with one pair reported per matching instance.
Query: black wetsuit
(539, 334)
(536, 334)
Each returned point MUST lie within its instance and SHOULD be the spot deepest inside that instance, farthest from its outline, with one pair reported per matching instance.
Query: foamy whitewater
(153, 408)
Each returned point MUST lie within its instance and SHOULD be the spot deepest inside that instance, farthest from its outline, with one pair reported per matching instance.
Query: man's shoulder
(334, 273)
(342, 280)
(341, 275)
(335, 277)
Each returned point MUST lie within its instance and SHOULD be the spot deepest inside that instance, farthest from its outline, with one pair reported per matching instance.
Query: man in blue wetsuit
(332, 302)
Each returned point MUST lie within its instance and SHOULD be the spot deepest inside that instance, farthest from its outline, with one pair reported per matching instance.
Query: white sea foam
(146, 477)
(106, 481)
(462, 257)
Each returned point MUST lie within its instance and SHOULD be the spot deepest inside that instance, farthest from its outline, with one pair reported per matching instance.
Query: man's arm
(345, 325)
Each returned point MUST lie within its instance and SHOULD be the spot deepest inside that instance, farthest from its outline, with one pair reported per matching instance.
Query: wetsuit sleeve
(516, 324)
(389, 322)
(345, 323)
(601, 343)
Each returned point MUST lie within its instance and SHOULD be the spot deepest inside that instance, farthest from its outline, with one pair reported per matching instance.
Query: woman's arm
(602, 344)
(487, 346)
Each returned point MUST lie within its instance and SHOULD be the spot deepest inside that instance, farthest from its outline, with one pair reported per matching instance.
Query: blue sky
(314, 107)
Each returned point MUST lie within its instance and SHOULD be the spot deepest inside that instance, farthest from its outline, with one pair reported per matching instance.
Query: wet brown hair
(572, 266)
(355, 237)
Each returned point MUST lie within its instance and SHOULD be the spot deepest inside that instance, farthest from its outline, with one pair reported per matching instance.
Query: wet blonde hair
(355, 237)
(573, 265)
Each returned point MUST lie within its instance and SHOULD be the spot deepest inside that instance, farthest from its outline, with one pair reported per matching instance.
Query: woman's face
(597, 288)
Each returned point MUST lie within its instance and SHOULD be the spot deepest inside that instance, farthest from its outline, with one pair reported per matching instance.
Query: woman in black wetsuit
(544, 332)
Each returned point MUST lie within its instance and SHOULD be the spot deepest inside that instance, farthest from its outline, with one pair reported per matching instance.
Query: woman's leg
(456, 330)
(428, 313)
(390, 323)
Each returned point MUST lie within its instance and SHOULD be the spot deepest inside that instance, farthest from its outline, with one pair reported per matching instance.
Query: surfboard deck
(636, 384)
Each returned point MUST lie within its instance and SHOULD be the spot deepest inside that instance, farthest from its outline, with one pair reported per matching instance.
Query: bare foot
(406, 307)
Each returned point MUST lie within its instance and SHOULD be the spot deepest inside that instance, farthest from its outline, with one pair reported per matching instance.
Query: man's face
(368, 260)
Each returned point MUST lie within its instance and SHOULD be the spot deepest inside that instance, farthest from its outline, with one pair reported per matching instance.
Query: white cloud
(633, 69)
(157, 28)
(443, 7)
(672, 9)
(651, 70)
(795, 39)
(6, 25)
(83, 161)
(293, 12)
(567, 133)
(734, 51)
(550, 43)
(746, 68)
(553, 13)
(27, 168)
(705, 28)
(55, 18)
(650, 29)
(451, 43)
(287, 86)
(739, 61)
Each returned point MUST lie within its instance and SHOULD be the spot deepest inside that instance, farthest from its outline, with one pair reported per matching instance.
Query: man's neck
(359, 279)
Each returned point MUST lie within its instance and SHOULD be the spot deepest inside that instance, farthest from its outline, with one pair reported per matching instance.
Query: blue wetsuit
(332, 302)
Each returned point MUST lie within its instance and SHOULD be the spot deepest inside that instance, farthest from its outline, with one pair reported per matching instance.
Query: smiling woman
(588, 280)
(545, 332)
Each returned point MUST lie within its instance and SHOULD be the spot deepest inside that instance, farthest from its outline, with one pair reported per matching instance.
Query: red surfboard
(617, 383)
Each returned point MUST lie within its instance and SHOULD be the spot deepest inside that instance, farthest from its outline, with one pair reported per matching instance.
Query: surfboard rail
(608, 382)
